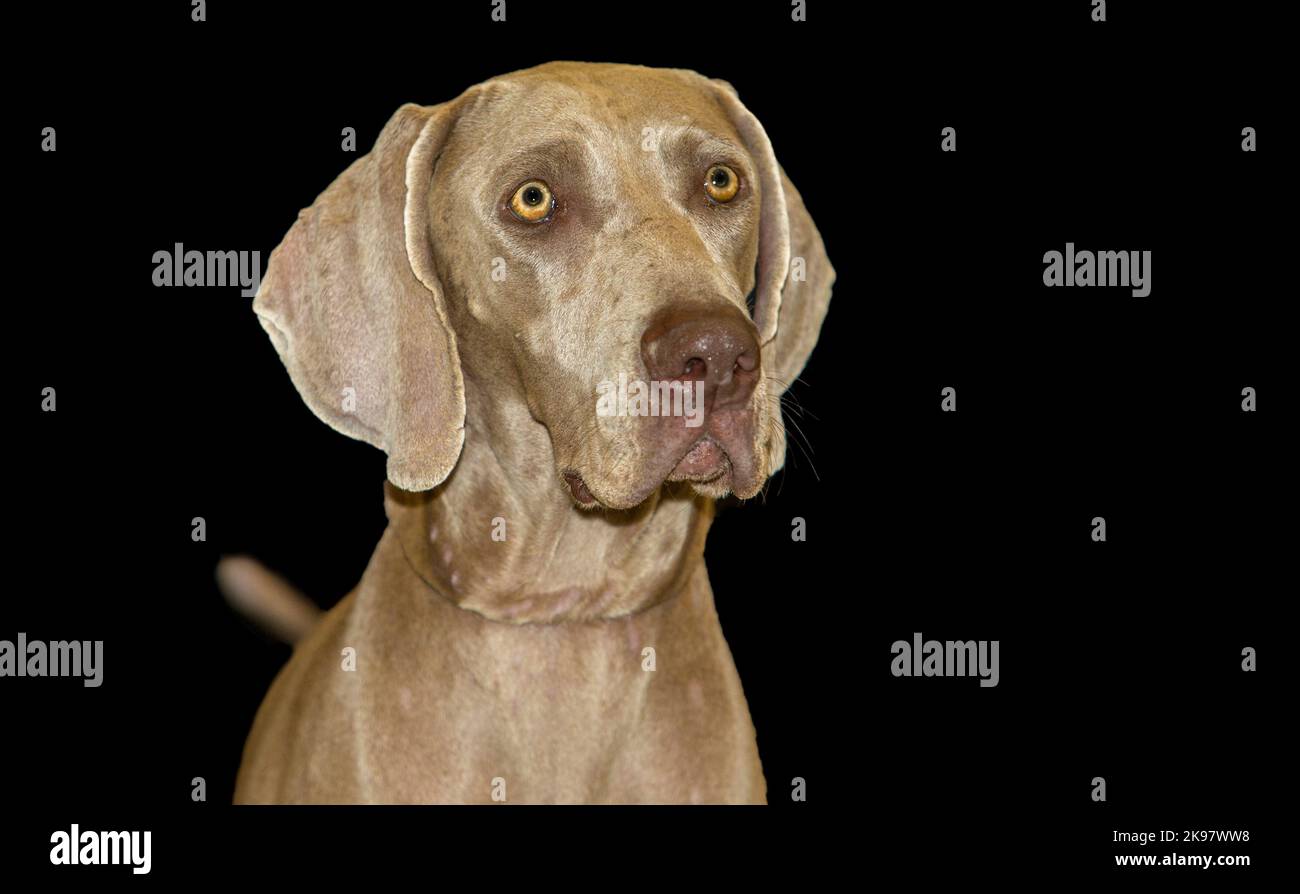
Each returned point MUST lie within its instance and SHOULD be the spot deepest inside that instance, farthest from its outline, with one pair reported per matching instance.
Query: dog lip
(578, 488)
(586, 498)
(706, 460)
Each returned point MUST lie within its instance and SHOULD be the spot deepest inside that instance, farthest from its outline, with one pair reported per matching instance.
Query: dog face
(583, 237)
(579, 219)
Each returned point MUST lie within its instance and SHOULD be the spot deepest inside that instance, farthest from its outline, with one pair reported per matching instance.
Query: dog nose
(716, 347)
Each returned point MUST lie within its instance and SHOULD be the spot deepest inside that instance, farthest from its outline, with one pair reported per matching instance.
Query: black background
(1119, 659)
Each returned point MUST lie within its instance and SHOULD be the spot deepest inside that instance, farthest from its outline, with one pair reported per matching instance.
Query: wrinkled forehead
(605, 110)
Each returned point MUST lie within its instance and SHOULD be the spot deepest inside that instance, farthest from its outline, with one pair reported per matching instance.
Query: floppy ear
(355, 310)
(805, 294)
(794, 277)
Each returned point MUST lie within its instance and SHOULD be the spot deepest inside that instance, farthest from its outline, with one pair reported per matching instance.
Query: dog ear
(794, 278)
(354, 308)
(805, 293)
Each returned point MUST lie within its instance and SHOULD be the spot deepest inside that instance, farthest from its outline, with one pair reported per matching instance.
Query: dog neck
(502, 538)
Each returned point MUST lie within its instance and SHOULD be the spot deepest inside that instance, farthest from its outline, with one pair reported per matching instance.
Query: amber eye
(532, 202)
(721, 183)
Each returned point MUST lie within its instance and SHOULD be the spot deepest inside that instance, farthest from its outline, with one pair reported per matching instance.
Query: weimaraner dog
(536, 624)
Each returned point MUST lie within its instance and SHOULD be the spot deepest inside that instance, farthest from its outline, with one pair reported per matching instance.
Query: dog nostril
(717, 349)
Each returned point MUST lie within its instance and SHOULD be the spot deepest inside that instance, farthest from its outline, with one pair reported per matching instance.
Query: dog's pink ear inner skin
(795, 276)
(352, 305)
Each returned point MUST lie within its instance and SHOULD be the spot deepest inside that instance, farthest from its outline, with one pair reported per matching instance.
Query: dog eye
(721, 183)
(532, 202)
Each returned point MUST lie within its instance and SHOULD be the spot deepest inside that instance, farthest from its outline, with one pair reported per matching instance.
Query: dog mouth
(578, 489)
(705, 462)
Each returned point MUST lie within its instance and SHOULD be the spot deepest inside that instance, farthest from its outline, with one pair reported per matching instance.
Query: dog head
(612, 250)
